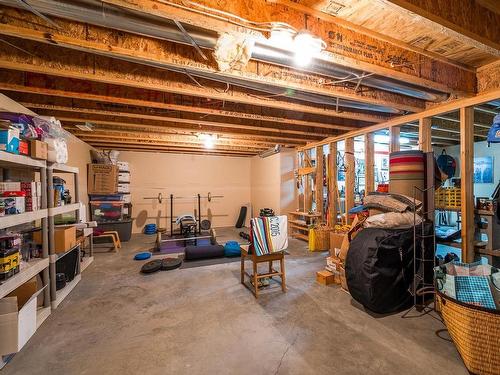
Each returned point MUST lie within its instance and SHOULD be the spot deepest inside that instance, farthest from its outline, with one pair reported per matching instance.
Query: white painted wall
(187, 175)
(480, 149)
(273, 182)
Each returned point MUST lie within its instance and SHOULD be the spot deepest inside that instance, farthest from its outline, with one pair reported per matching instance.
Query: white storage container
(124, 177)
(123, 188)
(123, 166)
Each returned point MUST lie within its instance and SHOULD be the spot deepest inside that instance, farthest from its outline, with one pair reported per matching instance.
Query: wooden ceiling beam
(171, 56)
(464, 20)
(150, 144)
(284, 137)
(171, 151)
(345, 46)
(145, 129)
(80, 99)
(82, 67)
(174, 139)
(79, 114)
(116, 113)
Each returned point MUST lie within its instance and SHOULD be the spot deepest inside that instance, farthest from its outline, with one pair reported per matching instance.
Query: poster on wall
(483, 170)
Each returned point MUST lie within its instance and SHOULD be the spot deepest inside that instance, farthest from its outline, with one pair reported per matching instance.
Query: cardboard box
(39, 150)
(64, 238)
(123, 166)
(24, 147)
(124, 188)
(9, 140)
(336, 240)
(325, 277)
(24, 292)
(17, 325)
(343, 281)
(123, 177)
(102, 179)
(13, 205)
(10, 186)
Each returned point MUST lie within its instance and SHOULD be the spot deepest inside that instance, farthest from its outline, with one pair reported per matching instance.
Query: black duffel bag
(379, 268)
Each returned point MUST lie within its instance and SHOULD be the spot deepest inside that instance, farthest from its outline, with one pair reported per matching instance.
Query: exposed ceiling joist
(463, 20)
(284, 137)
(82, 66)
(344, 46)
(167, 55)
(170, 150)
(129, 114)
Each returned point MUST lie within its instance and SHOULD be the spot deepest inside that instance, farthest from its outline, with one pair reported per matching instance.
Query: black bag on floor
(379, 268)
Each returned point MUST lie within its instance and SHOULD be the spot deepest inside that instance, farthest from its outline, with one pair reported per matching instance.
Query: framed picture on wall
(483, 170)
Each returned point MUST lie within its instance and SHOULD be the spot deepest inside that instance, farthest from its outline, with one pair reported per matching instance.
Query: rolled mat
(203, 252)
(406, 171)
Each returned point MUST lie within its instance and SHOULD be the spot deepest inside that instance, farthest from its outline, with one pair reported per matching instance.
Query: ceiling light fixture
(306, 47)
(208, 140)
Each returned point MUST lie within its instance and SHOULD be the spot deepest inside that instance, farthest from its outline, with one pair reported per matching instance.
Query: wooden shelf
(34, 267)
(299, 223)
(63, 293)
(24, 218)
(42, 313)
(7, 159)
(300, 236)
(306, 214)
(86, 261)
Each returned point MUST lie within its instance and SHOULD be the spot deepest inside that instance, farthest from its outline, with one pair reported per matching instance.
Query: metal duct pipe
(95, 12)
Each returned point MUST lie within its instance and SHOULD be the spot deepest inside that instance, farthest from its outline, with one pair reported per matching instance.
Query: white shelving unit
(24, 218)
(32, 268)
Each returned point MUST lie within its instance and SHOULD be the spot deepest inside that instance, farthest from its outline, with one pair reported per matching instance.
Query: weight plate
(153, 266)
(168, 264)
(205, 224)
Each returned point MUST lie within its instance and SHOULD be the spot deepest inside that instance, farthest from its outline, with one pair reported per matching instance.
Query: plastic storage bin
(103, 212)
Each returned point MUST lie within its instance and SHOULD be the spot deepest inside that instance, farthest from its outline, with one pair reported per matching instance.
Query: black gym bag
(379, 268)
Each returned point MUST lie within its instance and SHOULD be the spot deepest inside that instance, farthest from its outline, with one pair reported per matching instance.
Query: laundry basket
(475, 332)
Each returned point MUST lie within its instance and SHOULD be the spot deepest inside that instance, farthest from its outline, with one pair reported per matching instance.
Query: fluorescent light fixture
(274, 150)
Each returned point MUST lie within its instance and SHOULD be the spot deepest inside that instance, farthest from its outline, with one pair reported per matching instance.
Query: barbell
(209, 197)
(212, 236)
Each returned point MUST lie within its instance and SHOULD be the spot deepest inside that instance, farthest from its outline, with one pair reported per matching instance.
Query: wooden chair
(113, 235)
(248, 251)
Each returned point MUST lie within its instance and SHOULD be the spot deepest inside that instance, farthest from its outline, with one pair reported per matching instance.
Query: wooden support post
(369, 163)
(425, 134)
(394, 134)
(466, 183)
(307, 183)
(332, 185)
(319, 182)
(349, 176)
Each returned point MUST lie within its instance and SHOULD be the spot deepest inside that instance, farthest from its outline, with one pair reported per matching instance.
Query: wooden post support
(369, 163)
(307, 183)
(425, 134)
(466, 181)
(332, 185)
(349, 176)
(394, 134)
(319, 182)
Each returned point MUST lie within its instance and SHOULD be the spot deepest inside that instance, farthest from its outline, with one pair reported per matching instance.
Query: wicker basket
(448, 197)
(322, 237)
(475, 332)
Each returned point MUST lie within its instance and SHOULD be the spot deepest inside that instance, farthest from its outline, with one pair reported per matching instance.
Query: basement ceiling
(143, 74)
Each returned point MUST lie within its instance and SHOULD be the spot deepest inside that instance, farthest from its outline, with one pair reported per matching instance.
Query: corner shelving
(33, 268)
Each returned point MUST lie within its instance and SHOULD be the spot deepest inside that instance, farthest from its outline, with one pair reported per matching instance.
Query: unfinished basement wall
(187, 175)
(273, 183)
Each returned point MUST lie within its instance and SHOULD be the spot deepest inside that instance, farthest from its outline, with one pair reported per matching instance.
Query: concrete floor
(203, 321)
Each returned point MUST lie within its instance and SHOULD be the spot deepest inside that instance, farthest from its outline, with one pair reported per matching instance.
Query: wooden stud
(394, 138)
(369, 163)
(466, 182)
(319, 182)
(425, 134)
(349, 176)
(332, 185)
(437, 110)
